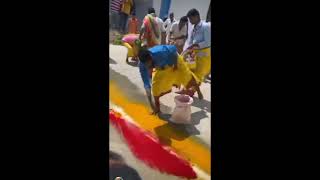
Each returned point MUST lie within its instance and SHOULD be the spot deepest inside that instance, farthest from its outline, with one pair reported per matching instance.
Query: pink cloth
(130, 38)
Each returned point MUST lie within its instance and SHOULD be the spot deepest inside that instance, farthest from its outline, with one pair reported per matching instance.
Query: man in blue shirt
(170, 69)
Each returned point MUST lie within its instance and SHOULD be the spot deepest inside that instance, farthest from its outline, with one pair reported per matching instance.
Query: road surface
(128, 80)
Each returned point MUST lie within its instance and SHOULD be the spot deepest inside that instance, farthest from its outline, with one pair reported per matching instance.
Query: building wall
(181, 7)
(142, 7)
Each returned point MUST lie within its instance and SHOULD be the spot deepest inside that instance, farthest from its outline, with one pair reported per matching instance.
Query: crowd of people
(161, 47)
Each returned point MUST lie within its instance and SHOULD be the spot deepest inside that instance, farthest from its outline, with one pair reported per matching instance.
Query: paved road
(128, 78)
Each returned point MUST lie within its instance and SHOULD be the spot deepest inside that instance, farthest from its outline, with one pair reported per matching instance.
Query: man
(115, 7)
(152, 29)
(170, 70)
(167, 25)
(130, 42)
(200, 42)
(126, 9)
(178, 33)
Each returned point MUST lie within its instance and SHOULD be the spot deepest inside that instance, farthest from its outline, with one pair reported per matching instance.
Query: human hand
(175, 67)
(155, 112)
(194, 46)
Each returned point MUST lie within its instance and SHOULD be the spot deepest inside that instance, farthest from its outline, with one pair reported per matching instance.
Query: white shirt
(190, 29)
(167, 25)
(176, 32)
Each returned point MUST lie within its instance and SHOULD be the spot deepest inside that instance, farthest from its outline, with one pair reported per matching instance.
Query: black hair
(171, 14)
(184, 19)
(193, 12)
(151, 10)
(165, 18)
(143, 55)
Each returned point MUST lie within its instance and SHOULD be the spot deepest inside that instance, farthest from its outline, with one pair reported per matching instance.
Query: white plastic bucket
(182, 112)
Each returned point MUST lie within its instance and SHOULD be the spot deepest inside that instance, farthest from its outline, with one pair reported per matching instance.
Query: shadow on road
(197, 116)
(202, 104)
(119, 168)
(177, 132)
(111, 61)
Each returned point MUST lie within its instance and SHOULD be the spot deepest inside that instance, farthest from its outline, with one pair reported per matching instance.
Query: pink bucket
(182, 112)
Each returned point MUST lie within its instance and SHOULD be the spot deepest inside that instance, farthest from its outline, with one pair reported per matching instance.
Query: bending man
(170, 70)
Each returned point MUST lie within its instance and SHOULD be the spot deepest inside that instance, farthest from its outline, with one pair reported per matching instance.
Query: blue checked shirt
(201, 35)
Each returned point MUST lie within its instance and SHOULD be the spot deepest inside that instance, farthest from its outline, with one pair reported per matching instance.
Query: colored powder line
(186, 147)
(156, 156)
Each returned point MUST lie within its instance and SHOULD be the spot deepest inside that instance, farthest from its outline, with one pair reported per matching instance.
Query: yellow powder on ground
(187, 147)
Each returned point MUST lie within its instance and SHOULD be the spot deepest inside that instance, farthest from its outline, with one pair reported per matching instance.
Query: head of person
(165, 18)
(145, 57)
(194, 16)
(171, 16)
(151, 11)
(183, 21)
(133, 15)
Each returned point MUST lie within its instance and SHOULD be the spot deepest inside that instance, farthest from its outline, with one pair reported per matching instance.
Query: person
(200, 42)
(133, 24)
(189, 30)
(164, 19)
(170, 70)
(130, 42)
(152, 29)
(126, 9)
(178, 33)
(167, 25)
(115, 7)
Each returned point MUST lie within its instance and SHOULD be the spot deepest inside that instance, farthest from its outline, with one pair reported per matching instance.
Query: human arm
(147, 82)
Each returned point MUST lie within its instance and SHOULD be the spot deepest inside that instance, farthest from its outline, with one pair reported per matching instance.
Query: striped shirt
(115, 5)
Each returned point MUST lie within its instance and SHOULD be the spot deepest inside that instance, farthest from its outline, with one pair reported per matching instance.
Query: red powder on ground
(148, 149)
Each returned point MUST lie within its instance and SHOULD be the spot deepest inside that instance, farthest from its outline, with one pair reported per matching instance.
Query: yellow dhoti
(163, 80)
(132, 50)
(203, 63)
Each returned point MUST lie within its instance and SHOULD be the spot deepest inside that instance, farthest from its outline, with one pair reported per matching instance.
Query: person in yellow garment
(126, 9)
(170, 70)
(200, 42)
(130, 42)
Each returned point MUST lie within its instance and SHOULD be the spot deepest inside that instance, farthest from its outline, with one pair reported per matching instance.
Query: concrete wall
(142, 7)
(179, 7)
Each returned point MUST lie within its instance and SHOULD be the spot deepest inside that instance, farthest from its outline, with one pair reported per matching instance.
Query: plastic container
(182, 112)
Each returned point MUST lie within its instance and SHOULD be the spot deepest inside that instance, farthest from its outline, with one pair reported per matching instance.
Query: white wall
(181, 7)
